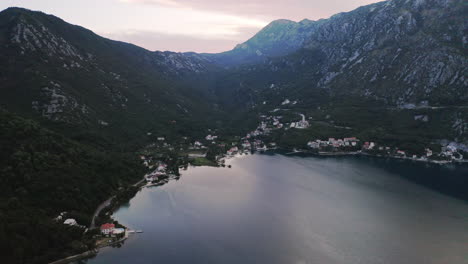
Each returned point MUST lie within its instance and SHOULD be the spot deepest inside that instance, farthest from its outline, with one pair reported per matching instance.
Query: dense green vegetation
(203, 162)
(43, 174)
(92, 118)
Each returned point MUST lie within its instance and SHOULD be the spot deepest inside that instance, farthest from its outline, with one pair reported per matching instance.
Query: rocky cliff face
(398, 52)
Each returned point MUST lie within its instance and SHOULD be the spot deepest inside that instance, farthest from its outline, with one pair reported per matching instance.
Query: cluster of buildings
(262, 129)
(159, 171)
(448, 153)
(336, 143)
(302, 124)
(451, 152)
(211, 138)
(287, 101)
(370, 146)
(274, 122)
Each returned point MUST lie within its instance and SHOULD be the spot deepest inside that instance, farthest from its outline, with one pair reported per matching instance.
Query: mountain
(399, 52)
(279, 38)
(56, 71)
(392, 55)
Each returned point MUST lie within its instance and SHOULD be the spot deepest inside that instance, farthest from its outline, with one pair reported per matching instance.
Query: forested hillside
(44, 174)
(90, 86)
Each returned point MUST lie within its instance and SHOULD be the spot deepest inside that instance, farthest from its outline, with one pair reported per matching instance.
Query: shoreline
(93, 252)
(286, 152)
(360, 153)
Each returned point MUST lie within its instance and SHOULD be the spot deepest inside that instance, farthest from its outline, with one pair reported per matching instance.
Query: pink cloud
(273, 9)
(180, 43)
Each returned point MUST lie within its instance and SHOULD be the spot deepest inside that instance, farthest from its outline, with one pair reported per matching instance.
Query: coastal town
(163, 158)
(214, 148)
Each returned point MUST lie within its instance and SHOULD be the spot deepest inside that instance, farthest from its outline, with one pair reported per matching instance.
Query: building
(118, 231)
(366, 145)
(197, 144)
(232, 151)
(210, 137)
(428, 152)
(107, 228)
(70, 221)
(314, 145)
(302, 124)
(246, 144)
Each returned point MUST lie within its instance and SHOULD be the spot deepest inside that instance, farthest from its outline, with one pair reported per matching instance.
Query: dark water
(278, 209)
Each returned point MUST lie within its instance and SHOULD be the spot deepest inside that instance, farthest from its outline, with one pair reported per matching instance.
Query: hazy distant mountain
(279, 38)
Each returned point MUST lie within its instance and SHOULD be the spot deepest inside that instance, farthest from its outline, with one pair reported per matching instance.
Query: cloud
(214, 25)
(171, 3)
(271, 9)
(154, 40)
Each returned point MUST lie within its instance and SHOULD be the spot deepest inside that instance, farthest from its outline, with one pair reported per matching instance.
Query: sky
(184, 25)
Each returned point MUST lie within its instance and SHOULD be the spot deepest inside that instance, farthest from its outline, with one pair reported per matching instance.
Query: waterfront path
(105, 204)
(98, 210)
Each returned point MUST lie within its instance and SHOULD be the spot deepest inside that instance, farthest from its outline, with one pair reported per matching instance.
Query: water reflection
(278, 209)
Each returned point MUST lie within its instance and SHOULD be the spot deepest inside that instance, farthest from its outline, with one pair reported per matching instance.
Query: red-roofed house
(107, 228)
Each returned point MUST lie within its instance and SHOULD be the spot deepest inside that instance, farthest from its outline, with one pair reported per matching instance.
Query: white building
(118, 231)
(210, 137)
(70, 221)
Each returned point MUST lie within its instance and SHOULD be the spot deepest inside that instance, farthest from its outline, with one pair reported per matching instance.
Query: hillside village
(214, 148)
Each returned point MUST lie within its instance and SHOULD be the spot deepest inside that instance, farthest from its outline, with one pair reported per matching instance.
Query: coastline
(281, 151)
(93, 252)
(360, 153)
(239, 166)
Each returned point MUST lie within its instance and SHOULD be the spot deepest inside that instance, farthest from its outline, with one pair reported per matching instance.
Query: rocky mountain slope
(64, 73)
(279, 38)
(400, 52)
(396, 54)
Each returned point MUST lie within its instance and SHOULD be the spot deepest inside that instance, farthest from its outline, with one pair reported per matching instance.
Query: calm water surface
(298, 210)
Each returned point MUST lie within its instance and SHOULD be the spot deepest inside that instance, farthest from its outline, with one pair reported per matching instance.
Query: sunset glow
(183, 25)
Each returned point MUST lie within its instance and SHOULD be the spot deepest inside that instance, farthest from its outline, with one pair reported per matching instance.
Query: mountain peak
(281, 22)
(15, 9)
(18, 11)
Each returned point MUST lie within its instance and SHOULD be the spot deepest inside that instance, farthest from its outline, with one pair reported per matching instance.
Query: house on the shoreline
(107, 228)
